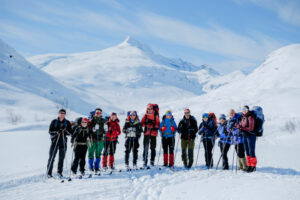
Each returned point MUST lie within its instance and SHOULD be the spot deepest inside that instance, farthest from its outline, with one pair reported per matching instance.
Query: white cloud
(216, 39)
(288, 11)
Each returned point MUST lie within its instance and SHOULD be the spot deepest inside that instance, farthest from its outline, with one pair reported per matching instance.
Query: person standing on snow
(80, 145)
(168, 130)
(208, 130)
(237, 138)
(96, 142)
(246, 126)
(110, 141)
(224, 141)
(151, 123)
(133, 129)
(188, 128)
(58, 130)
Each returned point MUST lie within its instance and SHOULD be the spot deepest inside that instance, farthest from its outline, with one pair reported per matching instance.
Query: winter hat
(187, 110)
(205, 115)
(133, 113)
(245, 108)
(62, 111)
(98, 109)
(149, 106)
(168, 112)
(112, 114)
(85, 120)
(222, 116)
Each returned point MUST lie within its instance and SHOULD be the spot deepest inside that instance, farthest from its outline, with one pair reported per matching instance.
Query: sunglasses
(133, 115)
(84, 122)
(186, 113)
(62, 113)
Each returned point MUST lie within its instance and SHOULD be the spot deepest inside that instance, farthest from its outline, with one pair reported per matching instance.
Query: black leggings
(168, 145)
(80, 153)
(208, 146)
(149, 141)
(239, 148)
(109, 148)
(131, 144)
(224, 147)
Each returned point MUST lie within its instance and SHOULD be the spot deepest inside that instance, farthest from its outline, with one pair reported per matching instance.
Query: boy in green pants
(96, 140)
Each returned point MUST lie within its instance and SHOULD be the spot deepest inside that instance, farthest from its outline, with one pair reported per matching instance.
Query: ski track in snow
(156, 184)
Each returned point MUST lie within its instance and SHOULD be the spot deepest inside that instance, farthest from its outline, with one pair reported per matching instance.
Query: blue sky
(225, 34)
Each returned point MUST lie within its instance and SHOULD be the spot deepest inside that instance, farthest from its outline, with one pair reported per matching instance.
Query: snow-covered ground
(274, 85)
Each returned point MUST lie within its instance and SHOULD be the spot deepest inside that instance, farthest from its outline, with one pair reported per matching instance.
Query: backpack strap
(55, 123)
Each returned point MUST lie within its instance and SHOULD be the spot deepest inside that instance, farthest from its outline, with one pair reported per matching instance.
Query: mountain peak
(129, 41)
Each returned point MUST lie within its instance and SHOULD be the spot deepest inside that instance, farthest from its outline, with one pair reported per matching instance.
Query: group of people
(99, 137)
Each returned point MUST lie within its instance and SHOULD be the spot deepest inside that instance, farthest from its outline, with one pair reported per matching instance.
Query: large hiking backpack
(259, 120)
(92, 113)
(156, 109)
(213, 116)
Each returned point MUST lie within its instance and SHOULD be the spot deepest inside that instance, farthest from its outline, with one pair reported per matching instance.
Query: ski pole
(236, 162)
(53, 153)
(232, 160)
(198, 150)
(159, 152)
(213, 150)
(222, 152)
(146, 151)
(69, 179)
(133, 148)
(65, 149)
(175, 150)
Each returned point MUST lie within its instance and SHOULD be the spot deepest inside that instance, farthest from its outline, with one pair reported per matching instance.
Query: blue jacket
(208, 129)
(223, 133)
(168, 123)
(235, 133)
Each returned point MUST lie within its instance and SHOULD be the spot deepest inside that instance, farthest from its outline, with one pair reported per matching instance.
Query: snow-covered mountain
(23, 85)
(130, 72)
(219, 81)
(274, 85)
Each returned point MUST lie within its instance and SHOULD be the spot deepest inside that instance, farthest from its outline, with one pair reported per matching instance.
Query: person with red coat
(246, 126)
(110, 140)
(151, 124)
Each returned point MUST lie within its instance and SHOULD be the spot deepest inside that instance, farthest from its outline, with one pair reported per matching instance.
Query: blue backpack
(92, 113)
(259, 120)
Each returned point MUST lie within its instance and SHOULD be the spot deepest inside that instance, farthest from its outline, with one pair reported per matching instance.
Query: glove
(94, 129)
(97, 127)
(163, 129)
(133, 129)
(105, 128)
(173, 129)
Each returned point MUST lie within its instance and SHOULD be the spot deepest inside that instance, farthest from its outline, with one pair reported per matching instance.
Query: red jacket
(151, 124)
(114, 130)
(247, 123)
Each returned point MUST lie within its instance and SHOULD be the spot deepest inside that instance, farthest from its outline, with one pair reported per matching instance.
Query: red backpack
(213, 116)
(156, 109)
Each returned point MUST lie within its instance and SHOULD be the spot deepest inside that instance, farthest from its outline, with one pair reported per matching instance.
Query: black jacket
(136, 124)
(62, 128)
(80, 135)
(97, 135)
(188, 128)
